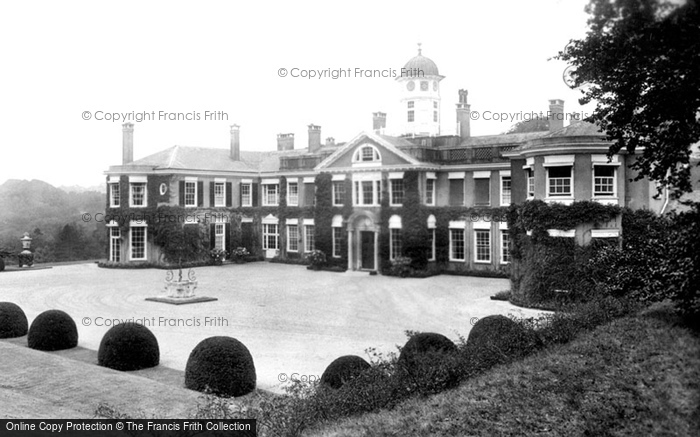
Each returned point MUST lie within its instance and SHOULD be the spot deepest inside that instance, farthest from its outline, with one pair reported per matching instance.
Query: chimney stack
(285, 142)
(556, 115)
(330, 141)
(314, 138)
(463, 115)
(575, 118)
(235, 142)
(127, 143)
(378, 122)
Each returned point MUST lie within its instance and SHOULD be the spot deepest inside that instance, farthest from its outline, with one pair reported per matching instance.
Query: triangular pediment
(368, 150)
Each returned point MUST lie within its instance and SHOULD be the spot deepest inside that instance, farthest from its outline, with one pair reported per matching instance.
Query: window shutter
(109, 194)
(240, 194)
(254, 189)
(456, 192)
(181, 185)
(229, 187)
(212, 235)
(200, 193)
(310, 194)
(482, 192)
(211, 194)
(227, 237)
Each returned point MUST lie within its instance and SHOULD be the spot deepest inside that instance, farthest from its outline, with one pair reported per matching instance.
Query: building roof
(578, 129)
(488, 140)
(201, 158)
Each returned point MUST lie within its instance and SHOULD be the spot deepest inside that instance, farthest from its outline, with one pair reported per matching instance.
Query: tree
(640, 63)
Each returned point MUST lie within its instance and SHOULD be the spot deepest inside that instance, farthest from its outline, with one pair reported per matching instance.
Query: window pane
(309, 243)
(115, 244)
(219, 197)
(505, 190)
(338, 193)
(396, 191)
(219, 236)
(138, 192)
(505, 247)
(293, 194)
(337, 237)
(604, 180)
(293, 238)
(395, 243)
(245, 195)
(430, 191)
(483, 245)
(138, 243)
(190, 193)
(559, 181)
(457, 244)
(271, 191)
(367, 193)
(270, 236)
(114, 190)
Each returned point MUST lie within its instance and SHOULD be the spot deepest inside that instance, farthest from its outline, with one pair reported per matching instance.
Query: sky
(68, 66)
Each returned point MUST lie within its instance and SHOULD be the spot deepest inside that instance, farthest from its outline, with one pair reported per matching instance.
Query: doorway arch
(363, 238)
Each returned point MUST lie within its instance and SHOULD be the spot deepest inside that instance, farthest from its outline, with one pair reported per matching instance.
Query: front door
(367, 250)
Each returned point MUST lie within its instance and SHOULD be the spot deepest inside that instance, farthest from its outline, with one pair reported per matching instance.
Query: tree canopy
(640, 64)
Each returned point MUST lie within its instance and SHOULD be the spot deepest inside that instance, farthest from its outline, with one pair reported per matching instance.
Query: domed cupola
(419, 85)
(422, 64)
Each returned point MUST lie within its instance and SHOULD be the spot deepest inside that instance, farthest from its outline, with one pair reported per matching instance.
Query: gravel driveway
(293, 321)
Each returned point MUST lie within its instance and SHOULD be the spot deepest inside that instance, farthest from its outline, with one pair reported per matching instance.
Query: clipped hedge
(52, 330)
(342, 370)
(13, 321)
(128, 346)
(497, 339)
(428, 364)
(221, 365)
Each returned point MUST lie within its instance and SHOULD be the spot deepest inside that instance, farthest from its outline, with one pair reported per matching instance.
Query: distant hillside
(51, 216)
(102, 188)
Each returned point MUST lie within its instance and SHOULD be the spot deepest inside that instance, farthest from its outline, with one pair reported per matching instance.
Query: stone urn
(180, 288)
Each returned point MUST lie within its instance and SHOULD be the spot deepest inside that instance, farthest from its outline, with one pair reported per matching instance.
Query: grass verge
(639, 375)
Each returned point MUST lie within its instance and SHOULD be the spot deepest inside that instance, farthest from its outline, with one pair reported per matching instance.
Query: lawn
(638, 375)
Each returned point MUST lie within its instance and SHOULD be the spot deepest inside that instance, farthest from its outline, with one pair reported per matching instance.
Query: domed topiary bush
(498, 339)
(222, 365)
(429, 363)
(52, 330)
(13, 321)
(128, 346)
(425, 343)
(342, 370)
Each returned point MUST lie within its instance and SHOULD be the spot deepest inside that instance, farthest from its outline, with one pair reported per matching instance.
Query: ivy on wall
(323, 214)
(416, 242)
(541, 264)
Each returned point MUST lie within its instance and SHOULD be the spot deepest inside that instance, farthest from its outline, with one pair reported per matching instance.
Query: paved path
(293, 321)
(44, 385)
